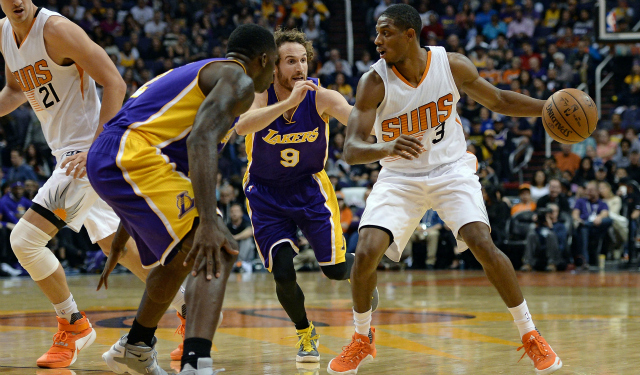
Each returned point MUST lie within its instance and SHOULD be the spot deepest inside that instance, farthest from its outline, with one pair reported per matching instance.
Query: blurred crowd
(532, 47)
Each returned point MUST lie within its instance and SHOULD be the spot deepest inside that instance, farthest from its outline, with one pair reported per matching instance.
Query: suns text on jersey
(32, 76)
(426, 116)
(274, 138)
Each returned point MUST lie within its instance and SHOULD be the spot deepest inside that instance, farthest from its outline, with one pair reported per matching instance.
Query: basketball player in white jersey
(409, 98)
(52, 63)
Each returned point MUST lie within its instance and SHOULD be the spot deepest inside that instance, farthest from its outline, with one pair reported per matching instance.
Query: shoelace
(353, 350)
(528, 347)
(305, 340)
(60, 337)
(180, 330)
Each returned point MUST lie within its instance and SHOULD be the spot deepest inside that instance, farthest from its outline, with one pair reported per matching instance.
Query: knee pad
(29, 244)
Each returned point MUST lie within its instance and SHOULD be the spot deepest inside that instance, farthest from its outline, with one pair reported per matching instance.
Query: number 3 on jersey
(290, 157)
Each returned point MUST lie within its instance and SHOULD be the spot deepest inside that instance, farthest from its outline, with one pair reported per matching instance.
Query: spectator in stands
(364, 64)
(31, 189)
(605, 147)
(513, 72)
(76, 10)
(313, 33)
(35, 160)
(555, 196)
(521, 27)
(485, 16)
(384, 4)
(227, 198)
(199, 49)
(448, 20)
(542, 249)
(633, 170)
(13, 204)
(494, 28)
(346, 215)
(20, 171)
(433, 28)
(109, 25)
(564, 70)
(330, 67)
(429, 230)
(340, 85)
(585, 173)
(567, 160)
(584, 25)
(490, 73)
(591, 216)
(498, 212)
(526, 203)
(551, 15)
(142, 13)
(240, 228)
(156, 26)
(623, 152)
(620, 223)
(540, 188)
(527, 55)
(537, 72)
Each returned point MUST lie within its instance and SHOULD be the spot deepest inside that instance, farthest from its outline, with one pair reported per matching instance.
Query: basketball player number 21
(290, 157)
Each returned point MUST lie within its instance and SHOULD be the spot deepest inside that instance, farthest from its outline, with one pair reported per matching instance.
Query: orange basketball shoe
(67, 343)
(545, 360)
(359, 351)
(176, 354)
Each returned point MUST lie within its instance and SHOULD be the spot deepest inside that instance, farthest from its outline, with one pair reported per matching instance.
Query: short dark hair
(628, 142)
(293, 36)
(404, 17)
(251, 40)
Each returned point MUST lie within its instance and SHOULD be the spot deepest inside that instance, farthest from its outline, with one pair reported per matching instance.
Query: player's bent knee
(284, 275)
(336, 271)
(29, 244)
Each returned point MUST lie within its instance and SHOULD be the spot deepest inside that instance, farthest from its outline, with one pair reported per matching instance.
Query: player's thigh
(319, 220)
(68, 199)
(396, 205)
(101, 222)
(270, 219)
(456, 195)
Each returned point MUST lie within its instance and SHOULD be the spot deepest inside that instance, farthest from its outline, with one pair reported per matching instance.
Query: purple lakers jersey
(163, 111)
(289, 149)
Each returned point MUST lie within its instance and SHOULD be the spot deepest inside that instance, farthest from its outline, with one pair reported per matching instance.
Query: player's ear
(264, 59)
(410, 33)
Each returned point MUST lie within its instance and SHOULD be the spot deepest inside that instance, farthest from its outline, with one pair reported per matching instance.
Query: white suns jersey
(63, 97)
(427, 112)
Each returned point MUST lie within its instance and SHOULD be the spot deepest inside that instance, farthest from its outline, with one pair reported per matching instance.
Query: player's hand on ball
(208, 242)
(299, 92)
(405, 146)
(112, 260)
(77, 164)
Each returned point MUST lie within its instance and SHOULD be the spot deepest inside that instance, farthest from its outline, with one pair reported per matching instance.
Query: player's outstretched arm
(507, 102)
(66, 42)
(332, 103)
(11, 96)
(260, 115)
(356, 148)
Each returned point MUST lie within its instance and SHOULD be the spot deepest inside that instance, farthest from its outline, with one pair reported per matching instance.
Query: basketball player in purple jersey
(286, 186)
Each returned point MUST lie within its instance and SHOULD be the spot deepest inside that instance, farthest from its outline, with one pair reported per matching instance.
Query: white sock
(362, 322)
(67, 308)
(179, 304)
(522, 318)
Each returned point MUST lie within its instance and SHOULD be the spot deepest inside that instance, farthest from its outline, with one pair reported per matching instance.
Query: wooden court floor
(445, 322)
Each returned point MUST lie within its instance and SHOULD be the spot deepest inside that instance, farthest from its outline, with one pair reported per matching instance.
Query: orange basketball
(569, 116)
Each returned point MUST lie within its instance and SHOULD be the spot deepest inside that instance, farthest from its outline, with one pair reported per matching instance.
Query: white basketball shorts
(398, 201)
(76, 203)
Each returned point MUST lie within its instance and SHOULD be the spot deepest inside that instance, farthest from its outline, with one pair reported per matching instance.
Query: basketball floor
(446, 322)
